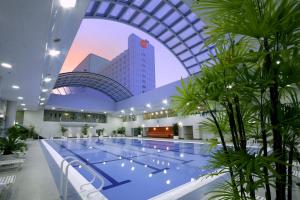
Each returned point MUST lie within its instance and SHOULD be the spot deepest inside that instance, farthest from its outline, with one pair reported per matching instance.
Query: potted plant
(63, 130)
(114, 133)
(31, 132)
(84, 130)
(100, 132)
(140, 131)
(10, 144)
(175, 131)
(18, 131)
(121, 131)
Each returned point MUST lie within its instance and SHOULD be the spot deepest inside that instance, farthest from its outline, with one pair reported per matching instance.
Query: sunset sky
(108, 39)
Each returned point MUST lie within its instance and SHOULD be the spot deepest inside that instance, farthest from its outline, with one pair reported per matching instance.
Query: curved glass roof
(98, 82)
(169, 21)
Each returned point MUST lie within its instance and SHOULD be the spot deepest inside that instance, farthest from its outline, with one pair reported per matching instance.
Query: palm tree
(11, 144)
(274, 28)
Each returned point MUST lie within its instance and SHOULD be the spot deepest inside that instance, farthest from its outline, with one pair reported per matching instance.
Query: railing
(64, 179)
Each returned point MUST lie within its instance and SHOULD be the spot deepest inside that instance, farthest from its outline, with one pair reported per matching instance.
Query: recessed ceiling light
(148, 105)
(47, 79)
(53, 52)
(68, 3)
(53, 108)
(132, 108)
(165, 101)
(41, 103)
(43, 99)
(44, 90)
(24, 108)
(6, 65)
(81, 110)
(23, 104)
(15, 87)
(20, 98)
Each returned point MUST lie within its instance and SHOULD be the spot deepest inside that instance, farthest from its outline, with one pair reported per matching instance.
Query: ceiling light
(148, 105)
(47, 79)
(20, 98)
(44, 90)
(6, 65)
(15, 87)
(43, 99)
(41, 103)
(132, 109)
(165, 101)
(162, 108)
(53, 52)
(144, 111)
(24, 108)
(68, 3)
(53, 108)
(1, 115)
(122, 111)
(23, 104)
(81, 110)
(104, 112)
(278, 62)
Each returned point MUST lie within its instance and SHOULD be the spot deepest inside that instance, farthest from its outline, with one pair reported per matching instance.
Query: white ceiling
(27, 32)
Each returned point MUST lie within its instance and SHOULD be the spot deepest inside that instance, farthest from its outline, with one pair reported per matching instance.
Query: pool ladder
(64, 179)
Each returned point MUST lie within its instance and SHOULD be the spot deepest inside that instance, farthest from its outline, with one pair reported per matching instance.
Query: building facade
(135, 67)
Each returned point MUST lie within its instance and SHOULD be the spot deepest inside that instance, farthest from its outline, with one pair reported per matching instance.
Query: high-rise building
(135, 67)
(92, 63)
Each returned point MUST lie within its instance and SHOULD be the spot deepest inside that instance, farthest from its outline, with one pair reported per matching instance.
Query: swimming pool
(137, 169)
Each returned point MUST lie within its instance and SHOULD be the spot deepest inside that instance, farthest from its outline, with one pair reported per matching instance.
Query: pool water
(136, 169)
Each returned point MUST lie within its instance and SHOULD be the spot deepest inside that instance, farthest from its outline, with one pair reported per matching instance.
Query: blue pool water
(137, 169)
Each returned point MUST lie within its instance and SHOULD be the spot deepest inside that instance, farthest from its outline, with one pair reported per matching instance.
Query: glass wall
(159, 114)
(67, 116)
(129, 118)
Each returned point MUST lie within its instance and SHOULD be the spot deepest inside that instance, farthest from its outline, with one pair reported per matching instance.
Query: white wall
(192, 120)
(51, 129)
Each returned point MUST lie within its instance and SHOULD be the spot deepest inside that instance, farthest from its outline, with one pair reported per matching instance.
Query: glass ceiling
(170, 21)
(98, 82)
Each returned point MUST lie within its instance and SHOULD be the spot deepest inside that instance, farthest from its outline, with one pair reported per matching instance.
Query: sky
(108, 39)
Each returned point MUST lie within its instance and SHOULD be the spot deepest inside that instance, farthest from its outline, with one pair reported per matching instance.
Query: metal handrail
(62, 172)
(95, 175)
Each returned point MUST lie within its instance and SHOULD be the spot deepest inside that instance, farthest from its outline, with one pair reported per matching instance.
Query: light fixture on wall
(15, 87)
(68, 3)
(47, 79)
(6, 65)
(54, 52)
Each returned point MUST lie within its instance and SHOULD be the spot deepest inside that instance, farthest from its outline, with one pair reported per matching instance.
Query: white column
(10, 116)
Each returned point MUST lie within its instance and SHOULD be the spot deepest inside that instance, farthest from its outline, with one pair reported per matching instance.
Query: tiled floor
(34, 181)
